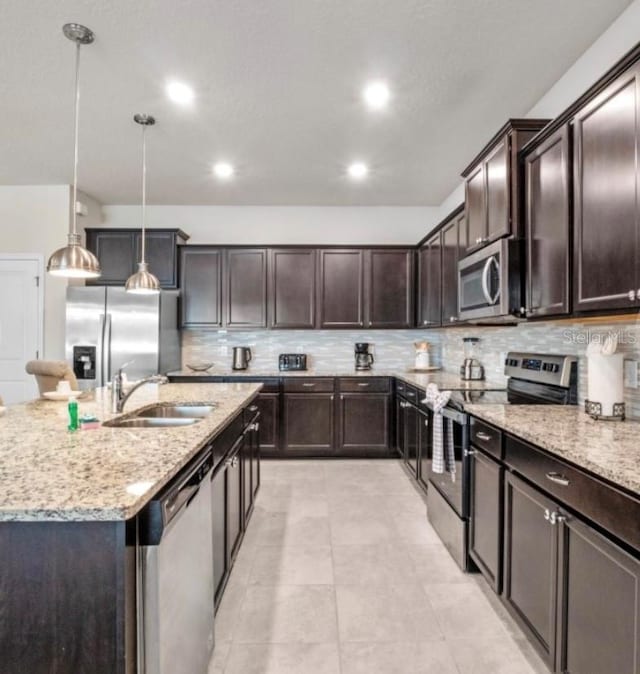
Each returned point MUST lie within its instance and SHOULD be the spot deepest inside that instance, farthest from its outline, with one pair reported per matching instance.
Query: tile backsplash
(393, 349)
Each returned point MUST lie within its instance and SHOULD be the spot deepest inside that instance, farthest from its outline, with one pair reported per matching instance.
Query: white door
(20, 325)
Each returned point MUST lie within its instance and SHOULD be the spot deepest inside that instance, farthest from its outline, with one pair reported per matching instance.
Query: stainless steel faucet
(119, 397)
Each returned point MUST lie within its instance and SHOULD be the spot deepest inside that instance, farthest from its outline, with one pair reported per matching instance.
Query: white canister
(605, 381)
(422, 360)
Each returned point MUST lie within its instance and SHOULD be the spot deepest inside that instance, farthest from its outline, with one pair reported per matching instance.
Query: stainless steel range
(534, 379)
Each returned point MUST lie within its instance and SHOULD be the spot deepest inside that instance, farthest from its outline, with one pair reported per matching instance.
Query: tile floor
(341, 573)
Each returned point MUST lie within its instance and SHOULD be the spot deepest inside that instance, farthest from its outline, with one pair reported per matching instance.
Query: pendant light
(75, 261)
(143, 282)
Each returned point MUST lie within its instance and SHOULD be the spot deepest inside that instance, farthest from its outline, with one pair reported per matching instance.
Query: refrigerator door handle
(100, 353)
(106, 350)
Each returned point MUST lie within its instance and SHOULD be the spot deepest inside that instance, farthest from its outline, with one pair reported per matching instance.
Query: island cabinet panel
(245, 293)
(292, 288)
(430, 283)
(341, 289)
(201, 286)
(606, 139)
(67, 592)
(234, 503)
(390, 288)
(118, 251)
(530, 558)
(547, 226)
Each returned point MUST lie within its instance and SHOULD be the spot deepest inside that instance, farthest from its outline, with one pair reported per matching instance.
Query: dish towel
(443, 457)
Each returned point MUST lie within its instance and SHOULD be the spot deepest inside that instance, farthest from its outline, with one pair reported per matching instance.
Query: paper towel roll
(605, 377)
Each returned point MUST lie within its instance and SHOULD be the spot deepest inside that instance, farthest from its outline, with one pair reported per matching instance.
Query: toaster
(292, 361)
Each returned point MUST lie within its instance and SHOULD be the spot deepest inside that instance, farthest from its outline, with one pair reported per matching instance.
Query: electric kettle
(241, 357)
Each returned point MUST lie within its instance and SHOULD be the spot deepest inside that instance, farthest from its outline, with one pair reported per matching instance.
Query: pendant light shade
(143, 282)
(75, 261)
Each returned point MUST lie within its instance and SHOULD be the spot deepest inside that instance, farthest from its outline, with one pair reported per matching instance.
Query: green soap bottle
(73, 416)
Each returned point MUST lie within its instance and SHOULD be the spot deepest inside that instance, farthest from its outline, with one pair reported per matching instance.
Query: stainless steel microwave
(490, 282)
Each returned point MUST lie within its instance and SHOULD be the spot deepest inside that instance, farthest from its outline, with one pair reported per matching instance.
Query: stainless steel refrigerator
(107, 327)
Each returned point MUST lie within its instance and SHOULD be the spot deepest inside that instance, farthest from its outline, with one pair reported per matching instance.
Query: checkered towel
(443, 457)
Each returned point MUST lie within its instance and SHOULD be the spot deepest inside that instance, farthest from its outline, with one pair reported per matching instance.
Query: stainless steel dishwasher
(175, 607)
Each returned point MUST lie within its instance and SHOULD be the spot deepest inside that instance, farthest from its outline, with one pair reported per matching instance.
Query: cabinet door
(425, 448)
(235, 515)
(219, 518)
(292, 290)
(498, 193)
(201, 287)
(389, 288)
(411, 437)
(476, 208)
(246, 288)
(255, 464)
(116, 252)
(547, 226)
(599, 608)
(341, 289)
(485, 519)
(430, 284)
(453, 243)
(246, 459)
(399, 425)
(606, 198)
(161, 254)
(530, 559)
(364, 422)
(308, 423)
(269, 436)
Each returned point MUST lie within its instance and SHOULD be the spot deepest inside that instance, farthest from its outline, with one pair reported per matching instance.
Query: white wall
(284, 224)
(611, 46)
(35, 219)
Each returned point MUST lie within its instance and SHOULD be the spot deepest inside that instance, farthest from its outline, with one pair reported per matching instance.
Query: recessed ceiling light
(376, 95)
(223, 170)
(358, 170)
(180, 93)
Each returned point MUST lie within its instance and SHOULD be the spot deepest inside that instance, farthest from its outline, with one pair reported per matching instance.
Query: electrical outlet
(631, 373)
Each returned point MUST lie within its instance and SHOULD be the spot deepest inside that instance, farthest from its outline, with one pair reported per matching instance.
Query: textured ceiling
(278, 92)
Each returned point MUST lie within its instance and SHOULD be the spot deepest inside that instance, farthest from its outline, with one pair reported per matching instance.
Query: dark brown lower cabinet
(399, 425)
(530, 561)
(364, 423)
(411, 437)
(309, 424)
(219, 519)
(425, 447)
(485, 522)
(234, 504)
(269, 406)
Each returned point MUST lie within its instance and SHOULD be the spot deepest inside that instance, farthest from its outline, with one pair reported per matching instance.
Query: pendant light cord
(75, 155)
(144, 189)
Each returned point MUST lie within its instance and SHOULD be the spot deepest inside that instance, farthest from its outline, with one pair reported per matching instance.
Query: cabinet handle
(234, 462)
(547, 514)
(560, 518)
(631, 295)
(452, 319)
(470, 452)
(341, 396)
(426, 423)
(558, 478)
(484, 436)
(253, 408)
(364, 383)
(308, 384)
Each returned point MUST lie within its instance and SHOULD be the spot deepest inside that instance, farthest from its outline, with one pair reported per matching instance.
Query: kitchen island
(69, 523)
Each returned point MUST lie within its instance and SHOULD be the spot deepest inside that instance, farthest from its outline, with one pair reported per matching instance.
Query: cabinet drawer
(309, 384)
(612, 509)
(410, 393)
(364, 385)
(487, 438)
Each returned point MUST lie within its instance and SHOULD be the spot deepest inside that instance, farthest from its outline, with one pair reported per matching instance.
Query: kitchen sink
(150, 422)
(177, 411)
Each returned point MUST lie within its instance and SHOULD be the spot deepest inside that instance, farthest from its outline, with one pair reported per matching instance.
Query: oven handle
(485, 280)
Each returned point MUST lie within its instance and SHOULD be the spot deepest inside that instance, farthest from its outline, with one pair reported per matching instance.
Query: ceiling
(278, 92)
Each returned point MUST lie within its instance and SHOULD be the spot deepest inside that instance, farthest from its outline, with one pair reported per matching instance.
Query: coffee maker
(364, 359)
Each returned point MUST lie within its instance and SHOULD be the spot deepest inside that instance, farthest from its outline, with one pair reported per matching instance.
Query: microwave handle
(485, 280)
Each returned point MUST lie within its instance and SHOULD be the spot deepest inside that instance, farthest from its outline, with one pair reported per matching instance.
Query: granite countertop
(48, 473)
(445, 380)
(608, 449)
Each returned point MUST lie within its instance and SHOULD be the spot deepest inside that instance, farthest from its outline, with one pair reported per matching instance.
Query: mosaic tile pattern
(393, 349)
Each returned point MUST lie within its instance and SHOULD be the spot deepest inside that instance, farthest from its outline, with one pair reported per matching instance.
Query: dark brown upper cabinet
(201, 286)
(341, 288)
(454, 243)
(245, 291)
(119, 253)
(389, 288)
(430, 282)
(493, 185)
(292, 288)
(547, 168)
(606, 209)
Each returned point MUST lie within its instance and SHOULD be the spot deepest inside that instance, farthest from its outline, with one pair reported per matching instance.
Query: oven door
(484, 289)
(453, 487)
